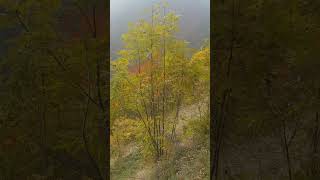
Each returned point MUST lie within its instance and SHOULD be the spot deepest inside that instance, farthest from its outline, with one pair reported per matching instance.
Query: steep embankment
(188, 158)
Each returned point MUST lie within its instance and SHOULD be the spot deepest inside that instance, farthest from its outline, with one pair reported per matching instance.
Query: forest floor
(188, 159)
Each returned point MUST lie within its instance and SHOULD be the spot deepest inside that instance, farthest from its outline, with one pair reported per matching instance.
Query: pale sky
(194, 22)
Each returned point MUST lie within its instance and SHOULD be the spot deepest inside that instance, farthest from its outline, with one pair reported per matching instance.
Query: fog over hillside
(194, 22)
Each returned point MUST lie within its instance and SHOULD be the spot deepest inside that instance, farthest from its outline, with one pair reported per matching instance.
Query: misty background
(194, 20)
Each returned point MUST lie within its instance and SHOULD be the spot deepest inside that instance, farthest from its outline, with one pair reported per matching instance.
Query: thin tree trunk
(84, 132)
(152, 89)
(178, 105)
(219, 133)
(220, 122)
(164, 83)
(286, 148)
(85, 142)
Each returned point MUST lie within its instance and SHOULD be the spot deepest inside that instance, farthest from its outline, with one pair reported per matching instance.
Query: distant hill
(194, 22)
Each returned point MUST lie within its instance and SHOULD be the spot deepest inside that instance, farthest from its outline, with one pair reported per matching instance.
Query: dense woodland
(54, 81)
(159, 102)
(265, 89)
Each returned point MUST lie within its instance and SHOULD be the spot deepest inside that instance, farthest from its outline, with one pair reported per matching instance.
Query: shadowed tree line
(54, 90)
(265, 89)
